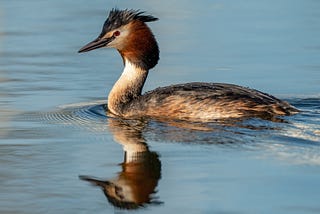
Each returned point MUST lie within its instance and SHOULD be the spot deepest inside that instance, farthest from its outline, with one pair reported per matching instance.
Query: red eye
(116, 33)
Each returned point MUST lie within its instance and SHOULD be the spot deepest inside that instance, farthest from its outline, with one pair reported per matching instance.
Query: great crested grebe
(126, 30)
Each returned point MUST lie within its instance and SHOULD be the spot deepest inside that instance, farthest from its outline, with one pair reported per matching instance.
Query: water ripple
(303, 127)
(296, 140)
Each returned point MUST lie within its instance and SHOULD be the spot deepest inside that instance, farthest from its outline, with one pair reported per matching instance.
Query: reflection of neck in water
(141, 169)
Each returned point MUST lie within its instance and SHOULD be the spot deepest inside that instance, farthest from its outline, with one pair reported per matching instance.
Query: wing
(209, 101)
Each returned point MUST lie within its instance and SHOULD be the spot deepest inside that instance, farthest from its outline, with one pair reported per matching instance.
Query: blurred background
(272, 46)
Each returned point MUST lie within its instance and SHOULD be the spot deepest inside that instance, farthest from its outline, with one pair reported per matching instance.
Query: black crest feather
(118, 18)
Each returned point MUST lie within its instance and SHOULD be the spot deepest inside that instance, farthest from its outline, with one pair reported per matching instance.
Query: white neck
(127, 87)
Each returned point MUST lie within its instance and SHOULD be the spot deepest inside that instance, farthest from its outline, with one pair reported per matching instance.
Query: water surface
(53, 127)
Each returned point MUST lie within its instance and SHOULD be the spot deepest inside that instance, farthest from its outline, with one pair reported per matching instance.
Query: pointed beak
(95, 44)
(95, 181)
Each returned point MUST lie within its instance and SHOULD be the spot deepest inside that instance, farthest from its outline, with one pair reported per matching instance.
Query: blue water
(53, 127)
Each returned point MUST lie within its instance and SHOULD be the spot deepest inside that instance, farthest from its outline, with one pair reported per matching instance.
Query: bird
(127, 31)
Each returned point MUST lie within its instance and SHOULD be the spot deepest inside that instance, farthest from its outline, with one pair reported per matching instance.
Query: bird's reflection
(135, 185)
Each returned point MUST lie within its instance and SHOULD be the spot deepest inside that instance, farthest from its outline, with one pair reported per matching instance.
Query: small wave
(90, 115)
